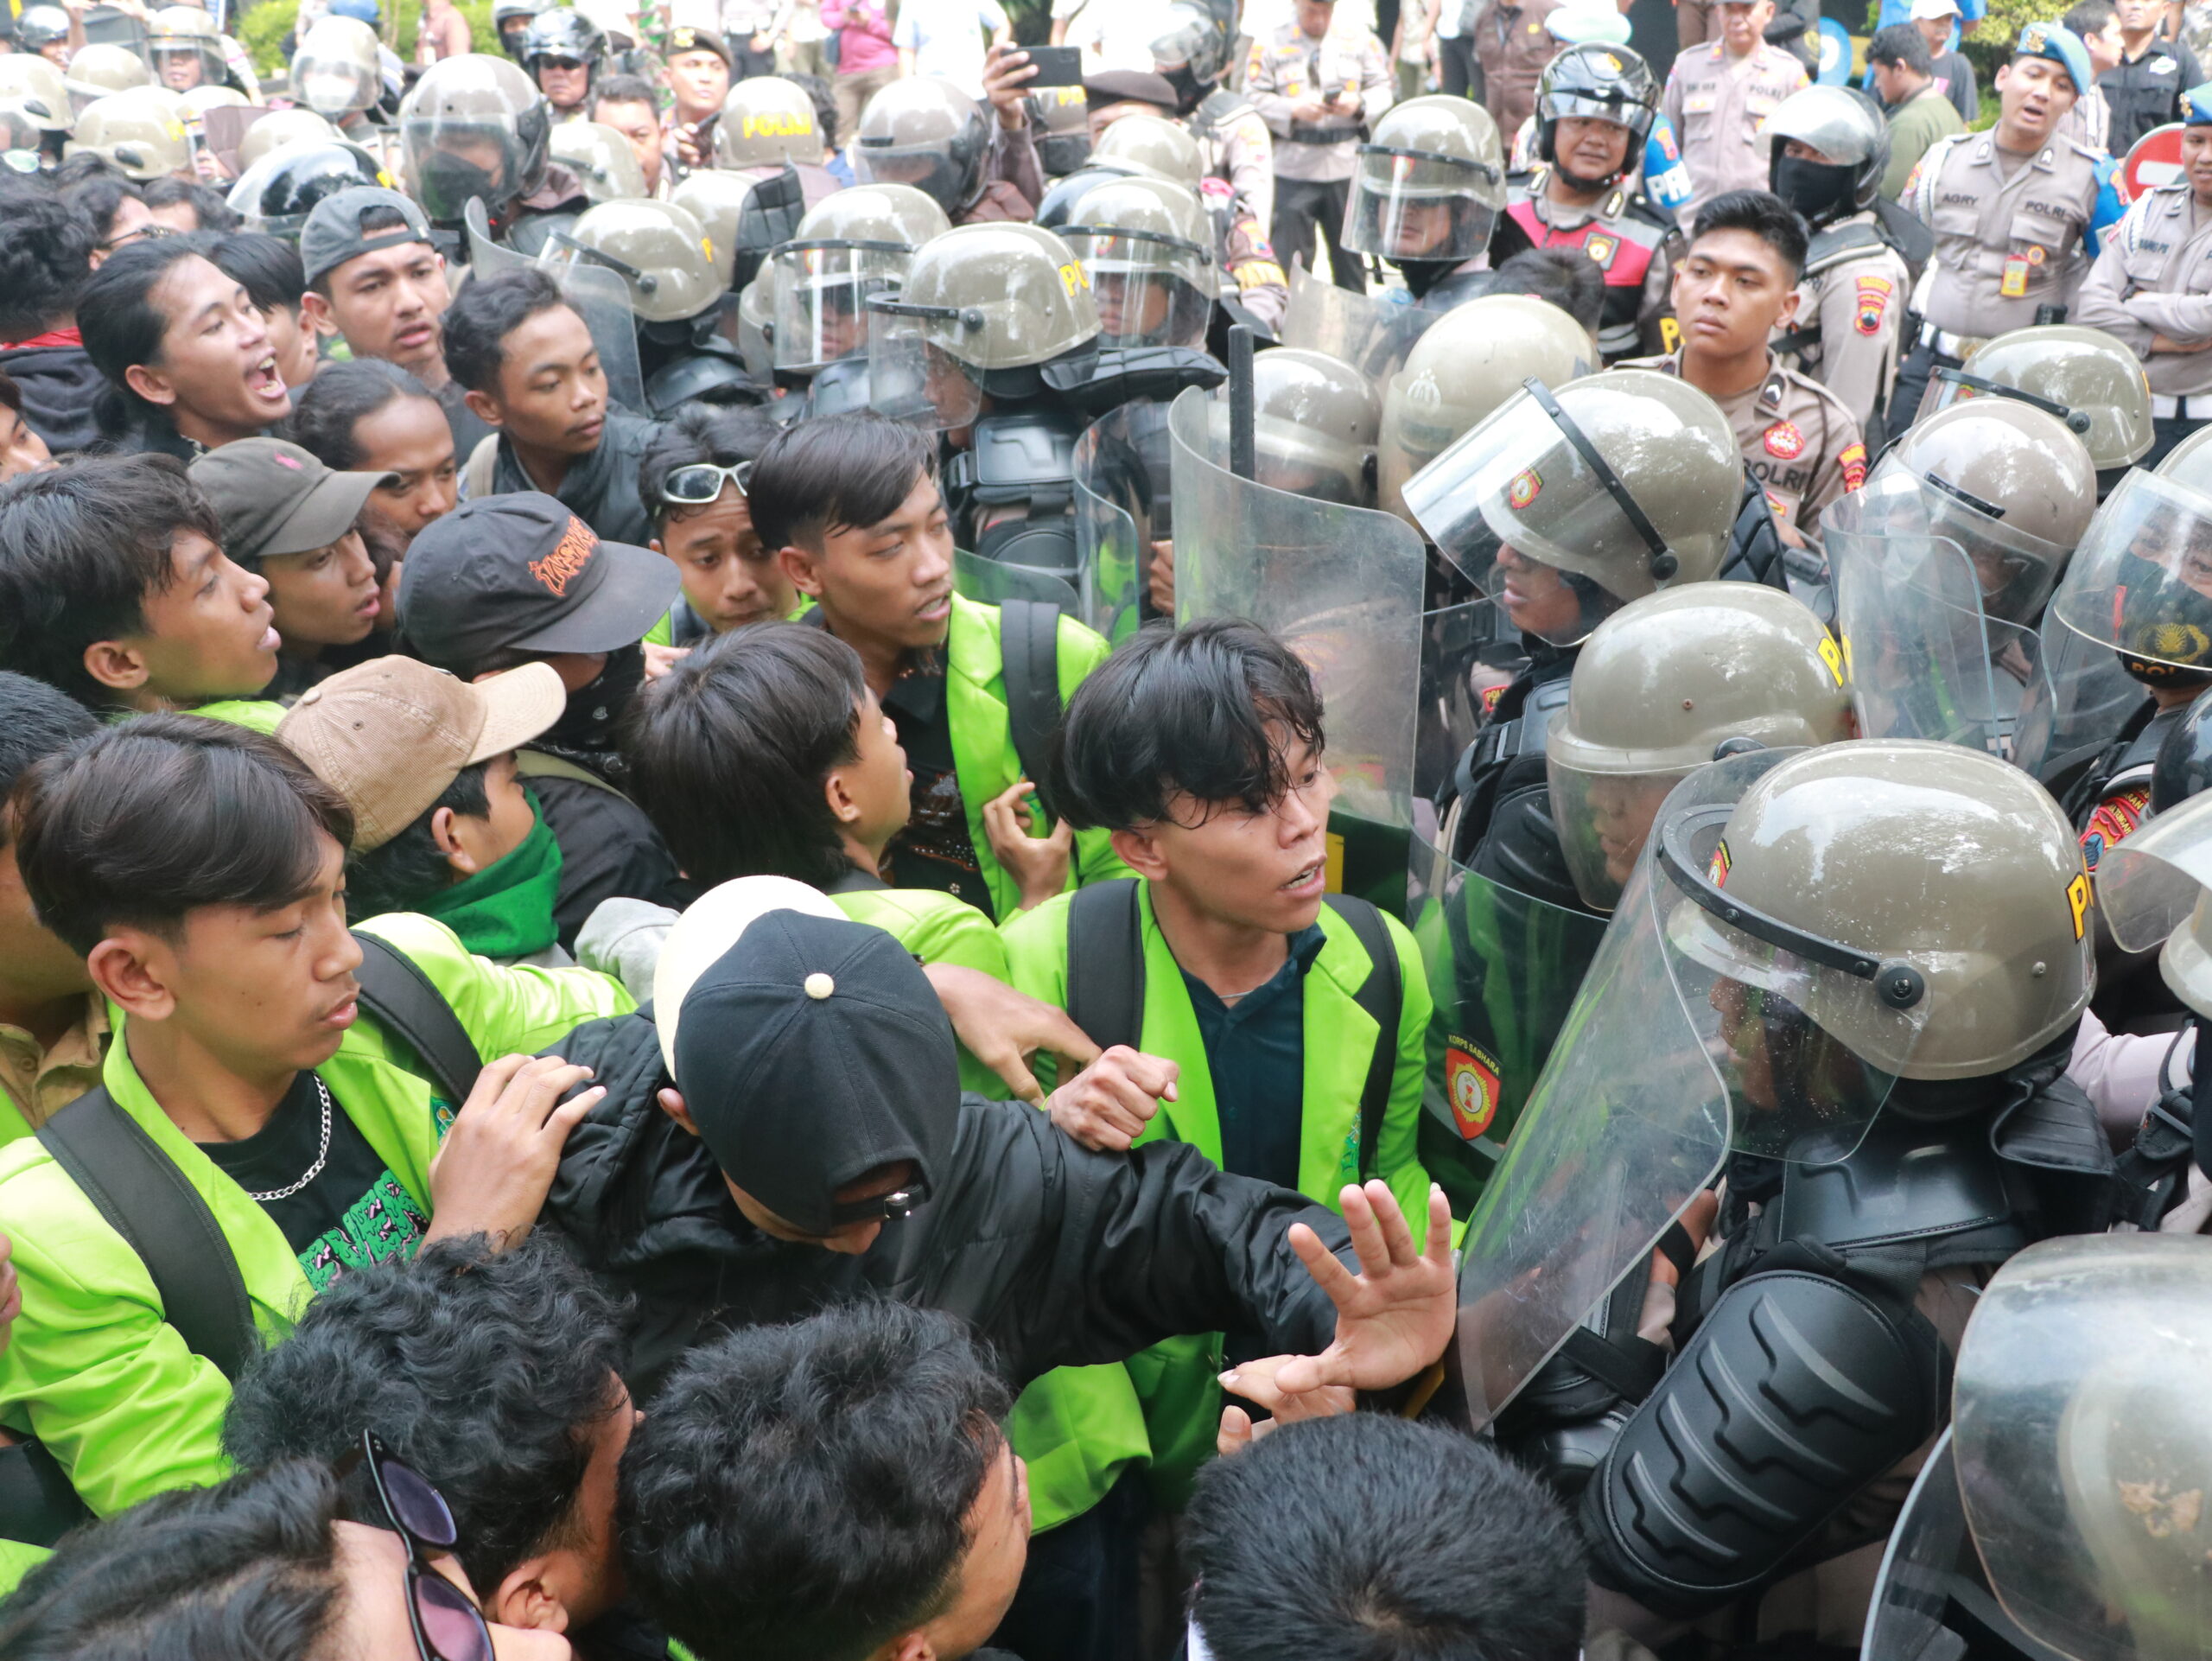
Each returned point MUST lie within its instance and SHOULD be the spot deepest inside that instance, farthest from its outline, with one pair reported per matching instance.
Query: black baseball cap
(333, 234)
(828, 1015)
(519, 572)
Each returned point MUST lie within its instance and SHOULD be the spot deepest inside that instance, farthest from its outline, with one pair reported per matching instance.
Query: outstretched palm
(1395, 1317)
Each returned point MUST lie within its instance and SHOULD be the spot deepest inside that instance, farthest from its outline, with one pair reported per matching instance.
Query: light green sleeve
(1082, 649)
(260, 714)
(17, 1560)
(506, 1010)
(663, 631)
(92, 1368)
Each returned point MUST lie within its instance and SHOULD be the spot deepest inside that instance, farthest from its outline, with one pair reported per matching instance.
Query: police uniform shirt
(1796, 437)
(2013, 233)
(1248, 258)
(1854, 313)
(1238, 147)
(2154, 277)
(1289, 68)
(1633, 244)
(1716, 104)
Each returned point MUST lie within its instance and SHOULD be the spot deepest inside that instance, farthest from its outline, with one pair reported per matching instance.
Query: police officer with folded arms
(2019, 213)
(2151, 285)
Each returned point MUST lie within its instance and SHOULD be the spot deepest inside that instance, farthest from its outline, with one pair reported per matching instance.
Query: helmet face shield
(1604, 819)
(912, 378)
(2141, 581)
(2014, 568)
(1516, 504)
(928, 170)
(1422, 205)
(822, 292)
(1152, 290)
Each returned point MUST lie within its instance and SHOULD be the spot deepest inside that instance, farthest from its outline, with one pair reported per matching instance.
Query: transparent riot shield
(989, 582)
(2084, 1465)
(1120, 511)
(1931, 1602)
(1925, 661)
(1469, 655)
(1372, 335)
(1503, 970)
(1342, 587)
(597, 295)
(1692, 1035)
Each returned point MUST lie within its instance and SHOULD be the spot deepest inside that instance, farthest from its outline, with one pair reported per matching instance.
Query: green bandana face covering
(505, 910)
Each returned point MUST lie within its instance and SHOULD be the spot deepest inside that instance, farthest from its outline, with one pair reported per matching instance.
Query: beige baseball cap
(391, 735)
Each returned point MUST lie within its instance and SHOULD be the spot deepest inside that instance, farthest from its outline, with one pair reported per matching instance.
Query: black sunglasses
(700, 483)
(446, 1625)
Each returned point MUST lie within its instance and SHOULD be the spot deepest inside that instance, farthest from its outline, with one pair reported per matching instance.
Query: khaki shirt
(1289, 68)
(1797, 438)
(1854, 311)
(39, 1082)
(1513, 46)
(2155, 278)
(1716, 104)
(1238, 147)
(2003, 247)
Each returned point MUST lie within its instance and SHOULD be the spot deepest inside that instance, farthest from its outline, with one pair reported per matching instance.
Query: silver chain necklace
(322, 1153)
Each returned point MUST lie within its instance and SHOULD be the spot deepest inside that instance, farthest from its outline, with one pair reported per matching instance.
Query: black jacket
(60, 387)
(601, 488)
(1055, 1255)
(610, 850)
(2146, 92)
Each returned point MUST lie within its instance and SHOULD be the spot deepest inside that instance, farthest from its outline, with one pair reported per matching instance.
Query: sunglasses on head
(446, 1626)
(700, 483)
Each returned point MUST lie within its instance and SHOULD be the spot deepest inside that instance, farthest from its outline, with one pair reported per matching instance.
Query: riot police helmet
(1147, 247)
(277, 194)
(336, 72)
(1152, 144)
(139, 131)
(925, 132)
(185, 48)
(601, 159)
(2083, 376)
(30, 83)
(280, 129)
(1842, 124)
(1597, 81)
(853, 245)
(1429, 184)
(765, 122)
(474, 126)
(658, 250)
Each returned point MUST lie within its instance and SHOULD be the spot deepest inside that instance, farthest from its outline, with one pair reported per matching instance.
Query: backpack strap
(537, 764)
(1381, 997)
(143, 1197)
(1029, 650)
(406, 1003)
(1106, 976)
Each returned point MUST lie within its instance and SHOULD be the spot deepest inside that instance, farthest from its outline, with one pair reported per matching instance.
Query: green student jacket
(92, 1369)
(1175, 1379)
(983, 759)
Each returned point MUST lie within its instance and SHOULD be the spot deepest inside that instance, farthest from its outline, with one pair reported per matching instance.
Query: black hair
(96, 189)
(147, 821)
(404, 872)
(825, 106)
(2090, 17)
(624, 89)
(697, 433)
(1182, 711)
(1901, 45)
(122, 326)
(833, 473)
(728, 752)
(1560, 276)
(372, 221)
(37, 719)
(486, 311)
(326, 411)
(268, 267)
(81, 546)
(46, 255)
(1763, 214)
(1367, 1537)
(246, 1570)
(486, 1371)
(206, 202)
(800, 1492)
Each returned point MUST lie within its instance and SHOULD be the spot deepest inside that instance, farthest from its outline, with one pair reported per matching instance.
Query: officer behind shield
(1595, 107)
(685, 354)
(857, 244)
(1830, 148)
(2017, 212)
(1563, 507)
(477, 127)
(2151, 286)
(1885, 948)
(1429, 187)
(977, 158)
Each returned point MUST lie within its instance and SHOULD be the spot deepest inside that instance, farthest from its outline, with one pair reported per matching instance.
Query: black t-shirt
(935, 850)
(352, 1214)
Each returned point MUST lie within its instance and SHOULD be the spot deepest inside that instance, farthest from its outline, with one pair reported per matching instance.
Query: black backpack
(143, 1197)
(1106, 986)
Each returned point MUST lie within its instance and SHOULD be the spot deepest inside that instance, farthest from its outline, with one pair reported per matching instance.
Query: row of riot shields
(2064, 1513)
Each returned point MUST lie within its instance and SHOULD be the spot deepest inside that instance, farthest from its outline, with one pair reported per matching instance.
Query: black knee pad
(1796, 1393)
